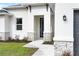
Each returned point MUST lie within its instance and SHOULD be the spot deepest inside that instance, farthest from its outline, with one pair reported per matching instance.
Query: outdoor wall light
(64, 18)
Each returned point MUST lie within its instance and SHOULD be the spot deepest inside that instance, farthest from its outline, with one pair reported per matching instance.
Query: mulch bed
(48, 42)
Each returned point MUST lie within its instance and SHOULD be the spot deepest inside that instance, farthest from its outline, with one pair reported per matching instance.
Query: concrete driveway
(44, 49)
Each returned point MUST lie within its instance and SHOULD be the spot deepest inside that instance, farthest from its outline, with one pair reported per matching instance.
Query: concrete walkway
(44, 49)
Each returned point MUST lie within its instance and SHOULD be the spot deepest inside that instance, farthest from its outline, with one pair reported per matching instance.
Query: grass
(15, 49)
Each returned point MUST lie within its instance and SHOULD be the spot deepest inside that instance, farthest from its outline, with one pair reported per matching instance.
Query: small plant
(17, 37)
(0, 37)
(1, 40)
(66, 53)
(13, 40)
(9, 38)
(25, 39)
(48, 42)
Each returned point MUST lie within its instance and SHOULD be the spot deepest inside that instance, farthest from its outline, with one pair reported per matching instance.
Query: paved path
(44, 49)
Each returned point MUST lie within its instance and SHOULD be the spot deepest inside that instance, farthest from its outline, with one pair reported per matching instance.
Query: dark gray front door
(76, 32)
(41, 26)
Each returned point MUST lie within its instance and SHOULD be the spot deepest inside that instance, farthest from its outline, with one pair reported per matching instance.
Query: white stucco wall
(7, 23)
(2, 22)
(64, 29)
(41, 11)
(19, 13)
(28, 20)
(37, 27)
(4, 27)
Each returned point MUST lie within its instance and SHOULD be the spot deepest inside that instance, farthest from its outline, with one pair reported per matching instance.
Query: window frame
(17, 24)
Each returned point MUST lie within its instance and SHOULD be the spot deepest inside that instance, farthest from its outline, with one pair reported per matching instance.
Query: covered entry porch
(38, 26)
(43, 27)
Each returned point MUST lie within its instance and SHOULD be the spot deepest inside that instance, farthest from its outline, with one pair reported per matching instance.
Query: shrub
(25, 39)
(1, 40)
(17, 37)
(9, 38)
(48, 42)
(0, 37)
(13, 40)
(66, 53)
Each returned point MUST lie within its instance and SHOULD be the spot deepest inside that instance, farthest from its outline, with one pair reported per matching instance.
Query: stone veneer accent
(61, 46)
(7, 35)
(30, 36)
(4, 35)
(48, 36)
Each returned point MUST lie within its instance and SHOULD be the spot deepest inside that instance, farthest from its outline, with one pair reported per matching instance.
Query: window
(19, 23)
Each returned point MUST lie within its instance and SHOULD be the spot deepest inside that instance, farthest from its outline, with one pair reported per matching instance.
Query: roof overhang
(15, 7)
(24, 5)
(35, 4)
(3, 14)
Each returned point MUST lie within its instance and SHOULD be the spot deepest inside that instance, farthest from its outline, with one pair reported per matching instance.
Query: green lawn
(15, 49)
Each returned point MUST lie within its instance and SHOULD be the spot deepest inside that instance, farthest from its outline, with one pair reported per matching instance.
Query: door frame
(37, 26)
